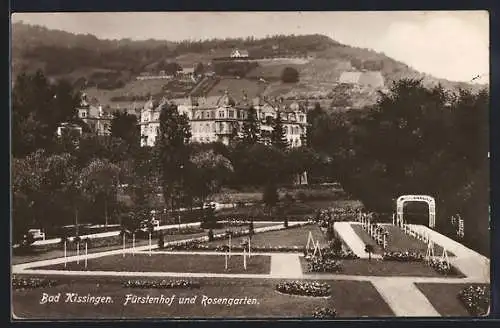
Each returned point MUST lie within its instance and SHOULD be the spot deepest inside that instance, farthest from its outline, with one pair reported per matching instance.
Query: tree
(172, 152)
(251, 131)
(278, 136)
(199, 69)
(289, 75)
(207, 173)
(125, 127)
(369, 249)
(42, 196)
(38, 108)
(270, 196)
(99, 182)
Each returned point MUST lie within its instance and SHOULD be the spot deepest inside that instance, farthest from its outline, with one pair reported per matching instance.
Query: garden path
(471, 263)
(285, 266)
(404, 298)
(351, 238)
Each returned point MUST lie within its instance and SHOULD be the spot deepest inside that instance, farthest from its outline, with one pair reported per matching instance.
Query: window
(286, 129)
(84, 114)
(231, 113)
(221, 114)
(301, 118)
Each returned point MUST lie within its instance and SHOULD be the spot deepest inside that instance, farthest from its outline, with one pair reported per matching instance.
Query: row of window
(293, 130)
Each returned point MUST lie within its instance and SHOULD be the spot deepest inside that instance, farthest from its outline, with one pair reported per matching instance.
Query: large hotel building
(219, 119)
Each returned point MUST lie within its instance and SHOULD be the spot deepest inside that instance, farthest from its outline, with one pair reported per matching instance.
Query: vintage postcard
(312, 165)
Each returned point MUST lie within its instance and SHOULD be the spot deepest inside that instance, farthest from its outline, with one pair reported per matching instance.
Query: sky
(447, 44)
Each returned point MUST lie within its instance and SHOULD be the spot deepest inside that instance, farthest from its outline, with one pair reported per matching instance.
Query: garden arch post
(416, 198)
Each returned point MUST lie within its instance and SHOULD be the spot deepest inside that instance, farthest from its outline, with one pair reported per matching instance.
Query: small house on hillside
(236, 53)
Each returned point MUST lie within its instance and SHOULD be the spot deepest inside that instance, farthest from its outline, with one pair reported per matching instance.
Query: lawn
(236, 87)
(159, 262)
(364, 267)
(444, 298)
(350, 299)
(399, 241)
(366, 239)
(285, 238)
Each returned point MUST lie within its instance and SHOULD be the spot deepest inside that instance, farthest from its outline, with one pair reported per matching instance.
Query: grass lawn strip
(399, 241)
(349, 298)
(291, 237)
(142, 262)
(366, 239)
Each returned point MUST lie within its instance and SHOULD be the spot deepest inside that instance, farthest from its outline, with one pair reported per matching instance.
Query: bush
(289, 75)
(31, 283)
(476, 299)
(161, 284)
(304, 288)
(324, 313)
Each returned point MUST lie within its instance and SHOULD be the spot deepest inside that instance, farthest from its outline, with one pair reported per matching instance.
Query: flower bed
(403, 256)
(304, 288)
(476, 299)
(31, 283)
(343, 255)
(443, 267)
(324, 313)
(318, 264)
(183, 231)
(161, 284)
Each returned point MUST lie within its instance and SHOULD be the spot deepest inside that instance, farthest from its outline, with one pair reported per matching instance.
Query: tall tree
(125, 127)
(172, 153)
(251, 131)
(278, 136)
(209, 171)
(38, 108)
(99, 182)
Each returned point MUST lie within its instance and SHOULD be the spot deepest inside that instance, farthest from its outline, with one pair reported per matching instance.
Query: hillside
(107, 68)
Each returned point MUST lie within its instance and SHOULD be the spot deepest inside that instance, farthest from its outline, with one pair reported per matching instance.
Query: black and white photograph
(251, 165)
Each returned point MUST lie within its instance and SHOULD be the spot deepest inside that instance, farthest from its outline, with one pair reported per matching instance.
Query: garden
(347, 299)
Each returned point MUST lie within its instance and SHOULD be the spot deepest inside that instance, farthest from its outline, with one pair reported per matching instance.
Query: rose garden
(307, 268)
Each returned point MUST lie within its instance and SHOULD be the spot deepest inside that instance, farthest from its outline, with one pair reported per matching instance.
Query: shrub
(304, 288)
(161, 241)
(289, 75)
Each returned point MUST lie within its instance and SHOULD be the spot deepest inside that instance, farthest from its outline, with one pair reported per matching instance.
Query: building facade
(221, 119)
(97, 118)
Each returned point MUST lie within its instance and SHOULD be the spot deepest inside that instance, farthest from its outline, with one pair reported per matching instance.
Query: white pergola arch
(416, 198)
